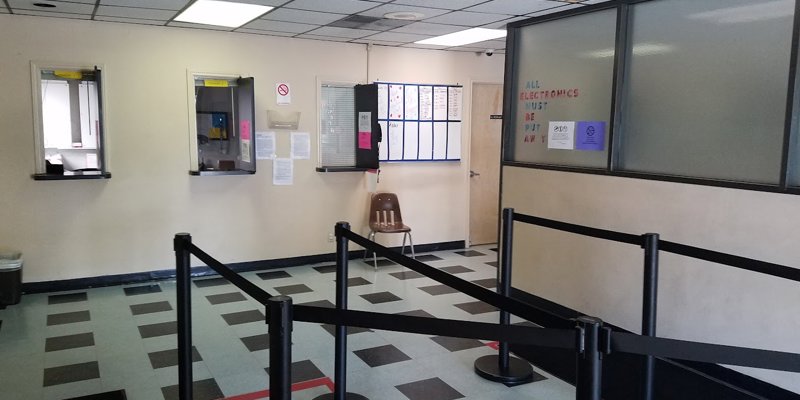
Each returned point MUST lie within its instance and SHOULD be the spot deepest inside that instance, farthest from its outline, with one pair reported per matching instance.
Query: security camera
(489, 52)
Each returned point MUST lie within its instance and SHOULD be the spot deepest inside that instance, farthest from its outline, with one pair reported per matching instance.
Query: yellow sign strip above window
(68, 74)
(215, 83)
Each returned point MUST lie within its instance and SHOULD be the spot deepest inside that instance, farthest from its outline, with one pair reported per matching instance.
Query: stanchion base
(348, 396)
(519, 371)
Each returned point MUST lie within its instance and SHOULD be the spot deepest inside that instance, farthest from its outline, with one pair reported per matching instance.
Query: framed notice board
(420, 122)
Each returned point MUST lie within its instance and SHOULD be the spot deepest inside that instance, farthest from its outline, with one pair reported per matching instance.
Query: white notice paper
(440, 103)
(425, 103)
(395, 140)
(412, 101)
(265, 145)
(282, 171)
(561, 135)
(395, 101)
(301, 145)
(454, 95)
(383, 101)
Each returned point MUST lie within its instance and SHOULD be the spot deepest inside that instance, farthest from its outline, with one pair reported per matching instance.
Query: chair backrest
(384, 207)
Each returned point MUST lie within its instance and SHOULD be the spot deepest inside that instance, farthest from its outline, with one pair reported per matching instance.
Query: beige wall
(72, 229)
(697, 300)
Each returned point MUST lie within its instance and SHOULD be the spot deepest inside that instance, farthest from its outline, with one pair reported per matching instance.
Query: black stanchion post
(340, 355)
(183, 278)
(502, 367)
(649, 306)
(588, 384)
(280, 347)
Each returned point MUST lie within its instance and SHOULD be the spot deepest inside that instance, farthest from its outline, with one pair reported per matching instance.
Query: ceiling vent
(370, 23)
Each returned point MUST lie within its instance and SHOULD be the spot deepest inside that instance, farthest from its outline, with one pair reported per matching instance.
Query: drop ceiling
(356, 21)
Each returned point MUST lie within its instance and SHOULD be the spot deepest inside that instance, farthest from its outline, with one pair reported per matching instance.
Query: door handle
(473, 174)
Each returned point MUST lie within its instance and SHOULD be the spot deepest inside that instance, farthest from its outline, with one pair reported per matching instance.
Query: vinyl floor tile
(149, 308)
(71, 373)
(269, 275)
(66, 298)
(68, 318)
(69, 342)
(144, 289)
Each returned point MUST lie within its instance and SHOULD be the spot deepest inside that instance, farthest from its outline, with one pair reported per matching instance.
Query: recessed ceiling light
(404, 15)
(45, 5)
(221, 13)
(468, 36)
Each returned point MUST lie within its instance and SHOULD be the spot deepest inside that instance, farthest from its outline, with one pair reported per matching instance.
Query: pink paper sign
(244, 129)
(364, 140)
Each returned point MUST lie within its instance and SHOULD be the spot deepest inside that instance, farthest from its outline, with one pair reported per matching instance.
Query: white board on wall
(420, 122)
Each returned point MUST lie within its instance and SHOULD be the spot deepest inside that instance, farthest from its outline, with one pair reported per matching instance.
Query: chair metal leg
(411, 241)
(374, 256)
(403, 247)
(369, 236)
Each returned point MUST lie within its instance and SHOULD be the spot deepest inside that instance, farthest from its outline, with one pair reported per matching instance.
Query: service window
(68, 121)
(348, 127)
(223, 127)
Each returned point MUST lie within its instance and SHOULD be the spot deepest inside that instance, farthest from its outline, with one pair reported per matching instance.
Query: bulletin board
(420, 122)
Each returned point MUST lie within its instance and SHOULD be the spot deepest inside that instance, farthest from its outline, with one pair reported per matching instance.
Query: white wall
(71, 229)
(697, 300)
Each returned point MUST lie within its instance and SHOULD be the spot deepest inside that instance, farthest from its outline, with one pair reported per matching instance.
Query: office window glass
(562, 91)
(337, 125)
(705, 88)
(69, 122)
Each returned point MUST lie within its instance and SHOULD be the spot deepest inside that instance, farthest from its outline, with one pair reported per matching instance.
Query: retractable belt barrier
(589, 339)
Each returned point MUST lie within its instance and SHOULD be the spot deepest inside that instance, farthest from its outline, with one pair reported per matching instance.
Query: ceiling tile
(52, 14)
(377, 42)
(61, 7)
(328, 38)
(279, 26)
(302, 16)
(465, 18)
(489, 44)
(445, 4)
(398, 37)
(424, 28)
(387, 8)
(130, 12)
(271, 3)
(129, 20)
(267, 33)
(159, 4)
(555, 10)
(514, 7)
(341, 32)
(334, 6)
(502, 24)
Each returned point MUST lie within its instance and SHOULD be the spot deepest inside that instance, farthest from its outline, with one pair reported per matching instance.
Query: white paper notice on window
(282, 171)
(561, 135)
(265, 145)
(383, 101)
(301, 145)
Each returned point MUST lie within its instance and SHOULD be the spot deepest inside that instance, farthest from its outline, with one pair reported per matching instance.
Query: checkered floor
(121, 341)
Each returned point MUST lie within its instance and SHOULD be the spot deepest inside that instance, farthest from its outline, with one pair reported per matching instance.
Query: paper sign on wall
(282, 171)
(283, 93)
(590, 136)
(561, 135)
(365, 130)
(265, 145)
(301, 145)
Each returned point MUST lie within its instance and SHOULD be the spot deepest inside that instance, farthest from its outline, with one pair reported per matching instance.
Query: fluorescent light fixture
(468, 36)
(641, 49)
(221, 13)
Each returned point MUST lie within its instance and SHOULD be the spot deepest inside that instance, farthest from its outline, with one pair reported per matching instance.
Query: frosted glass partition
(706, 86)
(562, 91)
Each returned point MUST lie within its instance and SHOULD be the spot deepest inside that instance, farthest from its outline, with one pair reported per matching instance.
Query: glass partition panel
(562, 87)
(705, 88)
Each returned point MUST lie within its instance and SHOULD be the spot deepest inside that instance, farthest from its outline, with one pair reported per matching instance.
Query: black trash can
(10, 277)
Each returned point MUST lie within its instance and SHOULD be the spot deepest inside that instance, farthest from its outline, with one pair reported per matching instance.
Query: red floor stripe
(263, 394)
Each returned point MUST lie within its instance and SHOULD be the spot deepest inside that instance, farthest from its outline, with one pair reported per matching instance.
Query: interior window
(69, 124)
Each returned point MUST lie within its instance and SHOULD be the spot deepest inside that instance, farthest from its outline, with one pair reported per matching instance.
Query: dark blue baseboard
(674, 380)
(121, 279)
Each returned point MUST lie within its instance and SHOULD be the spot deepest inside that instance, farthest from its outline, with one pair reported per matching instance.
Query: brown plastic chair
(385, 217)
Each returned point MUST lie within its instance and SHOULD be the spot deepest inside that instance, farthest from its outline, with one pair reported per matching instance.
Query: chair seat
(389, 228)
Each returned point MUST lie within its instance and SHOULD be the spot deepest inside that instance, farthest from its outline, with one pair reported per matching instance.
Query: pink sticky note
(364, 140)
(244, 129)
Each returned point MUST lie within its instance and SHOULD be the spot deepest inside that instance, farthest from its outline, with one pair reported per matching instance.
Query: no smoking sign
(284, 93)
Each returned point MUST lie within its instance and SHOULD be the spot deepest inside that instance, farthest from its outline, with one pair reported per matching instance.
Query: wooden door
(487, 107)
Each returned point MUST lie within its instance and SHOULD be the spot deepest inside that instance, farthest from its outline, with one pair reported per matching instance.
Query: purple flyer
(590, 135)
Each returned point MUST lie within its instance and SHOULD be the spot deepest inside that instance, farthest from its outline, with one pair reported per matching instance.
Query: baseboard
(683, 380)
(122, 279)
